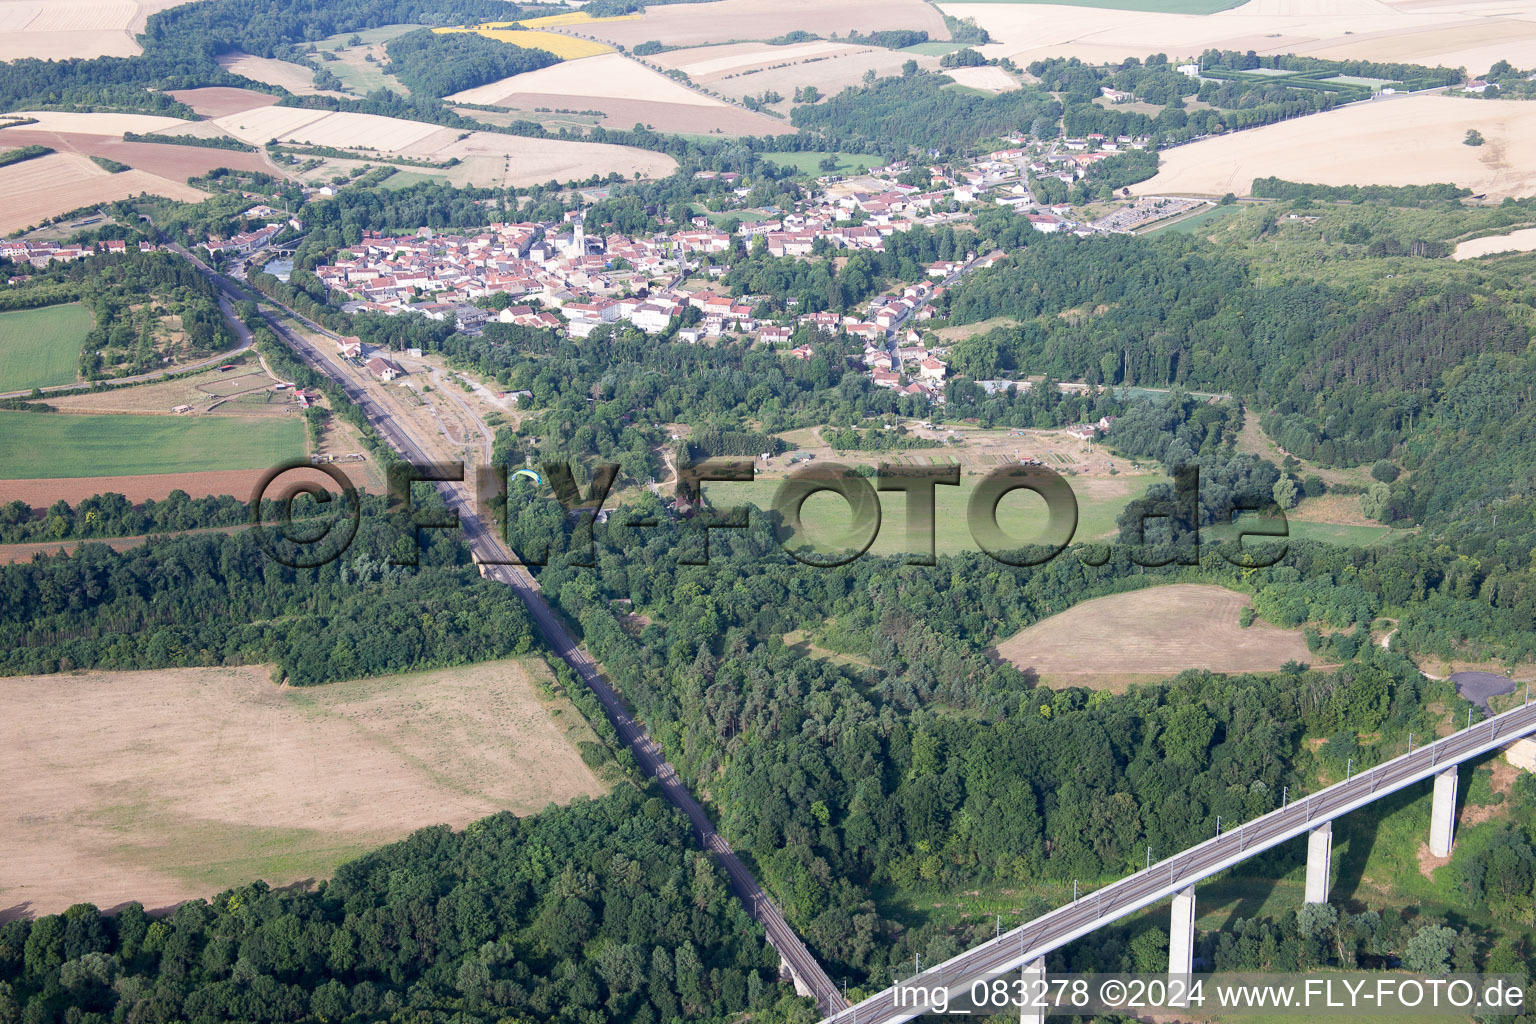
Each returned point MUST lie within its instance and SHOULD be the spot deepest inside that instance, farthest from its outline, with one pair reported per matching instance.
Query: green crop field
(59, 446)
(1153, 6)
(933, 49)
(810, 162)
(1201, 222)
(1020, 514)
(41, 347)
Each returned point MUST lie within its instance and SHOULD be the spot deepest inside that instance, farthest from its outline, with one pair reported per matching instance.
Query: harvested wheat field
(216, 101)
(167, 785)
(40, 189)
(624, 114)
(509, 160)
(777, 69)
(1455, 33)
(608, 75)
(1146, 634)
(1400, 140)
(1523, 240)
(59, 29)
(296, 78)
(734, 20)
(988, 79)
(73, 123)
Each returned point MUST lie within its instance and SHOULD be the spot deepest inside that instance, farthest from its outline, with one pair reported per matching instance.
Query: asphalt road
(490, 550)
(1024, 944)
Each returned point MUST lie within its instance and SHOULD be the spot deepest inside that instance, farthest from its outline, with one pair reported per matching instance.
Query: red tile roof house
(383, 368)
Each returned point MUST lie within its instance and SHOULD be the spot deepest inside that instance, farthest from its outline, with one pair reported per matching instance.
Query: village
(557, 276)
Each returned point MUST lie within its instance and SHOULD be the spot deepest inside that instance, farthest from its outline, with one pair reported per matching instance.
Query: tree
(1286, 493)
(1473, 138)
(908, 68)
(1429, 951)
(1385, 471)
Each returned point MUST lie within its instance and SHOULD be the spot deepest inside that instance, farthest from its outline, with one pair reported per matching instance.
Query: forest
(600, 911)
(438, 65)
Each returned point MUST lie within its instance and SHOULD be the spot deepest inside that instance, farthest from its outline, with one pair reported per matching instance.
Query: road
(493, 553)
(1030, 941)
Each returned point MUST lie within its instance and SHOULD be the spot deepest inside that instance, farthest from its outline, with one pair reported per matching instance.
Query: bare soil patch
(167, 785)
(167, 160)
(1158, 631)
(217, 101)
(241, 483)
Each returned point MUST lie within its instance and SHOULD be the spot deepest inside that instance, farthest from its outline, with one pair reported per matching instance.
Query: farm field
(217, 101)
(41, 347)
(735, 20)
(1407, 140)
(1157, 631)
(622, 114)
(77, 123)
(166, 160)
(810, 162)
(296, 78)
(1523, 240)
(40, 189)
(1198, 224)
(60, 29)
(751, 69)
(1156, 6)
(609, 75)
(987, 79)
(487, 158)
(167, 785)
(563, 46)
(63, 445)
(1453, 33)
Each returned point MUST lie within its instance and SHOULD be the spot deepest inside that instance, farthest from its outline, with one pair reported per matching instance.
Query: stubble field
(59, 29)
(1452, 33)
(1402, 140)
(729, 20)
(40, 189)
(1147, 634)
(166, 785)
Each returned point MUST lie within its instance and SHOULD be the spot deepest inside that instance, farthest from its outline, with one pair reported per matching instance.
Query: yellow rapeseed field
(563, 46)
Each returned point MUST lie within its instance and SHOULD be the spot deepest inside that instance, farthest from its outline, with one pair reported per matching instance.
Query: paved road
(1026, 943)
(492, 552)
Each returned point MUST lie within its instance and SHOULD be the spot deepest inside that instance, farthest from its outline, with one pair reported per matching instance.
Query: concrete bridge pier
(1181, 935)
(801, 988)
(1442, 819)
(1033, 992)
(1319, 850)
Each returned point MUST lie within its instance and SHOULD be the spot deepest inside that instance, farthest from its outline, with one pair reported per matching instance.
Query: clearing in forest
(166, 785)
(1109, 642)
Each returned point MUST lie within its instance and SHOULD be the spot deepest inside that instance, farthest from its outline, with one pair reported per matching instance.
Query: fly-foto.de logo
(1158, 531)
